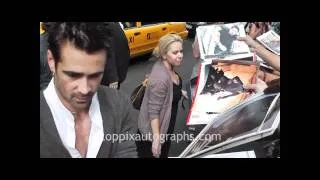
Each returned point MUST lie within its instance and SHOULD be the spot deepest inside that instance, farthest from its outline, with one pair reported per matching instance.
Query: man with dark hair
(116, 67)
(78, 116)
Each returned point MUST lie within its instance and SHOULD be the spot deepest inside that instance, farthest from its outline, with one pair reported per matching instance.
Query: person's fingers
(250, 87)
(155, 152)
(247, 39)
(261, 85)
(156, 148)
(260, 74)
(253, 50)
(260, 81)
(241, 38)
(156, 155)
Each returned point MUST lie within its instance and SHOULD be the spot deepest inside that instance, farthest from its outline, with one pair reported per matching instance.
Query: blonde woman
(159, 107)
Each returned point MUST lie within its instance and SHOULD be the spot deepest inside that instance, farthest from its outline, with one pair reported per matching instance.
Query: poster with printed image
(255, 118)
(219, 41)
(270, 40)
(220, 88)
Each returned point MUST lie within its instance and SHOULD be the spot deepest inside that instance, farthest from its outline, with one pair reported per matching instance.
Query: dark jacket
(117, 65)
(45, 73)
(116, 111)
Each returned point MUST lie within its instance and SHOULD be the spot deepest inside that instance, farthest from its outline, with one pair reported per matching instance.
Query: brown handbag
(138, 94)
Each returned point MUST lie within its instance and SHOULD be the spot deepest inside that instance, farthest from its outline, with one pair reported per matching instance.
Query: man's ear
(51, 61)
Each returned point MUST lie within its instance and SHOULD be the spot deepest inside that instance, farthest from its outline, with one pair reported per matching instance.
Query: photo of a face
(174, 55)
(234, 31)
(220, 42)
(77, 76)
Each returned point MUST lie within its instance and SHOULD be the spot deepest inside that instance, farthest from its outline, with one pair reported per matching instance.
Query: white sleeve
(121, 25)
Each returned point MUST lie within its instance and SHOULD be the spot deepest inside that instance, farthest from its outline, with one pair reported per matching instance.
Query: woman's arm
(269, 57)
(157, 95)
(156, 143)
(195, 48)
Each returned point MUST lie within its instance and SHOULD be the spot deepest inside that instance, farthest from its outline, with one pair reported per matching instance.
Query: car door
(178, 28)
(134, 36)
(143, 37)
(152, 32)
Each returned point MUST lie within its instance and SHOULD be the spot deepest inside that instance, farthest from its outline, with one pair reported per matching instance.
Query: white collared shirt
(64, 122)
(121, 25)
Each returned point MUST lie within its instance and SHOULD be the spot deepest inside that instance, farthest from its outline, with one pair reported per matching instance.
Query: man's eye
(73, 75)
(94, 76)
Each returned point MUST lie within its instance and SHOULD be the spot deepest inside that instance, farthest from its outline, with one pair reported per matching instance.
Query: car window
(149, 23)
(129, 24)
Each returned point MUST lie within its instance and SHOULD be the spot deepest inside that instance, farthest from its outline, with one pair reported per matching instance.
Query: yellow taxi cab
(41, 30)
(143, 37)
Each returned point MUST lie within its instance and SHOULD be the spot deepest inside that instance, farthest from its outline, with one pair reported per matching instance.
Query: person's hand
(261, 74)
(258, 28)
(195, 49)
(253, 45)
(248, 40)
(156, 146)
(114, 85)
(260, 86)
